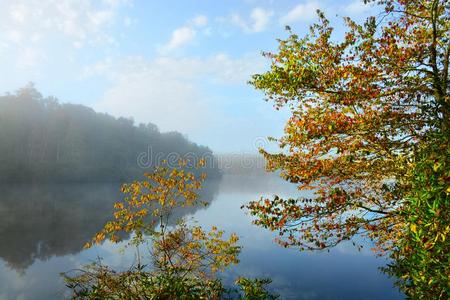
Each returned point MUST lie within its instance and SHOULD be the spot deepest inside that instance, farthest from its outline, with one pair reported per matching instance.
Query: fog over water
(43, 229)
(61, 167)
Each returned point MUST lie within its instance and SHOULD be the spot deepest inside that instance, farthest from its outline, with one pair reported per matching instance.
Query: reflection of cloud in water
(41, 221)
(343, 273)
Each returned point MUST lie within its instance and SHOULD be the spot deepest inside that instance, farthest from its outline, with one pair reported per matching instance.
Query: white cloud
(19, 13)
(14, 36)
(200, 21)
(302, 12)
(172, 104)
(162, 91)
(40, 39)
(30, 58)
(30, 29)
(171, 92)
(184, 35)
(115, 3)
(80, 21)
(234, 71)
(180, 37)
(219, 68)
(259, 20)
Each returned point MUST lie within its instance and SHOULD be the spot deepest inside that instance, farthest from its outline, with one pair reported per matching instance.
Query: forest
(44, 140)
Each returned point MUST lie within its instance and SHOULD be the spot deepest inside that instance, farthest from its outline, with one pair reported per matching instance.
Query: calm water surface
(43, 230)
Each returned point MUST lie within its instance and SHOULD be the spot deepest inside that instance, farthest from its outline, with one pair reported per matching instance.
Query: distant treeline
(44, 140)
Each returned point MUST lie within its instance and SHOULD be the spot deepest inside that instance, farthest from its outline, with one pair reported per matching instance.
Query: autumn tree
(184, 256)
(361, 107)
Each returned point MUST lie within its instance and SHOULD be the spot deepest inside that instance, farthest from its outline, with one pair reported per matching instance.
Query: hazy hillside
(44, 140)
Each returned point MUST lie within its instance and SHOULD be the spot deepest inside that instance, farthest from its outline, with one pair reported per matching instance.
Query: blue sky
(183, 65)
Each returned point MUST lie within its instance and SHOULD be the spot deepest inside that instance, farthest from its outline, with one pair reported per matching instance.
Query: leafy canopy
(421, 256)
(360, 108)
(184, 257)
(149, 213)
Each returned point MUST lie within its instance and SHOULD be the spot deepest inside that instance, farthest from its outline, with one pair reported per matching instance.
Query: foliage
(43, 140)
(100, 282)
(254, 289)
(184, 257)
(151, 203)
(359, 108)
(421, 258)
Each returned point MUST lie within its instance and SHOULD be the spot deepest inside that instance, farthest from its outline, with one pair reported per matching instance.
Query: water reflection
(43, 229)
(41, 221)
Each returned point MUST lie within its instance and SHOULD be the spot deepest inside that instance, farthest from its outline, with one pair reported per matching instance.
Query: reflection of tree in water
(40, 221)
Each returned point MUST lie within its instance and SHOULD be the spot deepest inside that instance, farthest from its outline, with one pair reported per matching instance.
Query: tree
(44, 140)
(149, 212)
(184, 257)
(360, 110)
(421, 255)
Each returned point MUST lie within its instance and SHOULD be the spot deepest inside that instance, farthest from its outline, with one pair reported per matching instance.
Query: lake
(44, 227)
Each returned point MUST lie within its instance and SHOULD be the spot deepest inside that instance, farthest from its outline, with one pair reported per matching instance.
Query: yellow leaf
(413, 228)
(436, 166)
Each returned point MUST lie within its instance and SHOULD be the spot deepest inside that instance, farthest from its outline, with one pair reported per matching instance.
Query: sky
(182, 65)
